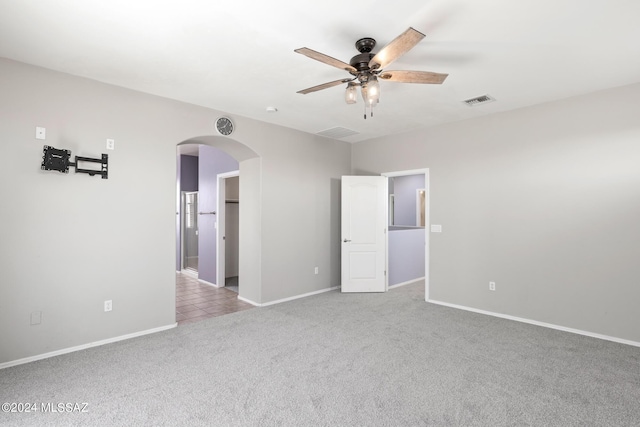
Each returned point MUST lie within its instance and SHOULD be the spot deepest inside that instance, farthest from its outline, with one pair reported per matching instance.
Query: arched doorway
(249, 239)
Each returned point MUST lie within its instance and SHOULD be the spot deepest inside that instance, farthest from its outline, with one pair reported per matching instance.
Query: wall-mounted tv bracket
(54, 159)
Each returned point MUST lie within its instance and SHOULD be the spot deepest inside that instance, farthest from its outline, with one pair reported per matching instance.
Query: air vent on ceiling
(479, 100)
(337, 132)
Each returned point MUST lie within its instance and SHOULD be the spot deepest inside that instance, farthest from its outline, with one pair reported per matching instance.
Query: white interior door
(364, 233)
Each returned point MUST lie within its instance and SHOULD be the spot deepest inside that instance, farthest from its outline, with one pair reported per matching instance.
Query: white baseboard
(204, 282)
(308, 294)
(85, 346)
(406, 283)
(537, 323)
(190, 273)
(248, 301)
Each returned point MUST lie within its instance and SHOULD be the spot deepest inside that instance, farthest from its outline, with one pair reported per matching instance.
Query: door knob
(346, 240)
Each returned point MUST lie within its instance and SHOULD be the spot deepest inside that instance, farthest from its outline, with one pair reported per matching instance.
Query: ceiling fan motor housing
(365, 46)
(361, 62)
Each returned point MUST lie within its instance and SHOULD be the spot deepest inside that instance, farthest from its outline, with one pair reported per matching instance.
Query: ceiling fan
(367, 67)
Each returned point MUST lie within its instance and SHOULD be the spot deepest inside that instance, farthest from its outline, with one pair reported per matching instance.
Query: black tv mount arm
(59, 160)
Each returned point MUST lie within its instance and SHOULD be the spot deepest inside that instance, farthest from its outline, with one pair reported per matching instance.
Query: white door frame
(418, 206)
(220, 225)
(426, 220)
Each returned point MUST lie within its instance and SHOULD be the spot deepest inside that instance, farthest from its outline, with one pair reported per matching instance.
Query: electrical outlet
(108, 305)
(111, 144)
(316, 270)
(492, 286)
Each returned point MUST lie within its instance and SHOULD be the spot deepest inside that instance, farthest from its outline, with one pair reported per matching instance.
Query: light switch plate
(41, 133)
(436, 228)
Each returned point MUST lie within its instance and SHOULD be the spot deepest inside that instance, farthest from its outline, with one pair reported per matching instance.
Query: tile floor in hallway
(196, 301)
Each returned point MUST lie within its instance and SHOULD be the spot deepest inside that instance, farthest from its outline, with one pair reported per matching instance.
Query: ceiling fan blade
(413, 77)
(394, 50)
(323, 86)
(326, 59)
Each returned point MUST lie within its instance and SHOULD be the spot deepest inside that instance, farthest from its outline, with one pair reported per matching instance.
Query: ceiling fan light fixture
(351, 94)
(373, 90)
(370, 94)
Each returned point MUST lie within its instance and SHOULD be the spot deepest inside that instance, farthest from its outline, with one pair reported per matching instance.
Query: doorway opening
(228, 250)
(189, 233)
(217, 155)
(199, 295)
(408, 237)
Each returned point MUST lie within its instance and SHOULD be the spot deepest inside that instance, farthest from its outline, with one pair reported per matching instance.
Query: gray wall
(544, 201)
(300, 212)
(70, 242)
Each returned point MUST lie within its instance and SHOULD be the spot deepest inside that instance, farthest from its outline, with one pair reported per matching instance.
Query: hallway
(196, 301)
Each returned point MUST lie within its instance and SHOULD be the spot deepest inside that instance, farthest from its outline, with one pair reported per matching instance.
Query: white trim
(85, 346)
(537, 323)
(248, 301)
(427, 238)
(405, 173)
(418, 206)
(204, 282)
(308, 294)
(408, 282)
(190, 273)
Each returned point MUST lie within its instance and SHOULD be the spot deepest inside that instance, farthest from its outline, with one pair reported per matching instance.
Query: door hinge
(385, 272)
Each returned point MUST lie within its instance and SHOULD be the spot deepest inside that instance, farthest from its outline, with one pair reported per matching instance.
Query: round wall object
(224, 126)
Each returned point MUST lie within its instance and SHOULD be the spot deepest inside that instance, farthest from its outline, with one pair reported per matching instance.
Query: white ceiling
(238, 56)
